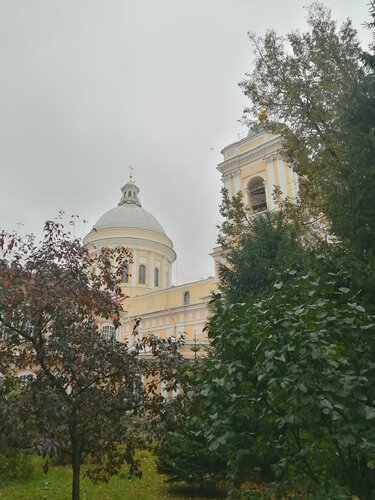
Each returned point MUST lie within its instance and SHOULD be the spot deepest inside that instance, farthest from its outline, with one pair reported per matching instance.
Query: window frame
(108, 333)
(142, 274)
(255, 207)
(186, 298)
(125, 266)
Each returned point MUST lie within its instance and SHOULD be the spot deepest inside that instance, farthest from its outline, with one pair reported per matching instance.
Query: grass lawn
(57, 485)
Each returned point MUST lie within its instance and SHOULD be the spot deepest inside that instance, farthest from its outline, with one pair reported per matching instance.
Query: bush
(15, 465)
(184, 458)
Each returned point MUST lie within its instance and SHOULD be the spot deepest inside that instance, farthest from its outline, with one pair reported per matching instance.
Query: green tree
(350, 206)
(183, 453)
(86, 391)
(316, 89)
(298, 363)
(257, 249)
(298, 85)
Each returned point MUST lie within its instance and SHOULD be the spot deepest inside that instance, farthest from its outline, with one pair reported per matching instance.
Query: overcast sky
(89, 87)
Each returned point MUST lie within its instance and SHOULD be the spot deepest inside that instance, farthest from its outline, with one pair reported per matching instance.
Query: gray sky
(89, 87)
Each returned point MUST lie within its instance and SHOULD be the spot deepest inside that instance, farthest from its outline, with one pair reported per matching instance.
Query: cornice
(245, 139)
(232, 164)
(134, 243)
(171, 312)
(270, 158)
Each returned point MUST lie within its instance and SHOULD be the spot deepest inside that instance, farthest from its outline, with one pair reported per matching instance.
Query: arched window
(125, 272)
(257, 195)
(186, 298)
(156, 277)
(108, 332)
(142, 274)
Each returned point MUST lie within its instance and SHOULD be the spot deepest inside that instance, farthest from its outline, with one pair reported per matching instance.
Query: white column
(151, 273)
(226, 181)
(283, 185)
(164, 273)
(271, 182)
(236, 182)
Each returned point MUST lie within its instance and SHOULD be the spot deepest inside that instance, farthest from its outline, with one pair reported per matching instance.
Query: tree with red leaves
(85, 392)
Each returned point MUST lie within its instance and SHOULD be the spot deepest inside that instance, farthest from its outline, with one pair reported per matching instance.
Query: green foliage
(257, 249)
(184, 457)
(350, 206)
(288, 395)
(300, 363)
(15, 465)
(184, 454)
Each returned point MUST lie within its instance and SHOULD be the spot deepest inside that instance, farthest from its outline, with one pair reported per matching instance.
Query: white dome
(129, 215)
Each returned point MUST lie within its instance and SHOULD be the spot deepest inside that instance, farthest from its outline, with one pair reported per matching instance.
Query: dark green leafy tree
(258, 249)
(296, 370)
(350, 205)
(86, 393)
(184, 454)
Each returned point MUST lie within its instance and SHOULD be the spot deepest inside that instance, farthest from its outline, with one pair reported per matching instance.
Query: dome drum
(132, 226)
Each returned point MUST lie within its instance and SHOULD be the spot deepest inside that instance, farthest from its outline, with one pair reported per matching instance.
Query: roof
(129, 215)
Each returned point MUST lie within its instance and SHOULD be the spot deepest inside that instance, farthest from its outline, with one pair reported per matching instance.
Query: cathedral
(252, 166)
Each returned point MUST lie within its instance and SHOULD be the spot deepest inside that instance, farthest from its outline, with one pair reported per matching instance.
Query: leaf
(269, 354)
(325, 403)
(278, 285)
(367, 327)
(347, 440)
(369, 412)
(281, 357)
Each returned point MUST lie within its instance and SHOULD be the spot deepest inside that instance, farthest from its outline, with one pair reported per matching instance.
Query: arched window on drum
(125, 272)
(257, 195)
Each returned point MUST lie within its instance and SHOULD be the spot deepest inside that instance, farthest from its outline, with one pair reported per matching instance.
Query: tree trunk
(76, 465)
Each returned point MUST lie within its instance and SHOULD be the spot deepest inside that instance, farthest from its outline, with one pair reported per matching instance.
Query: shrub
(15, 465)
